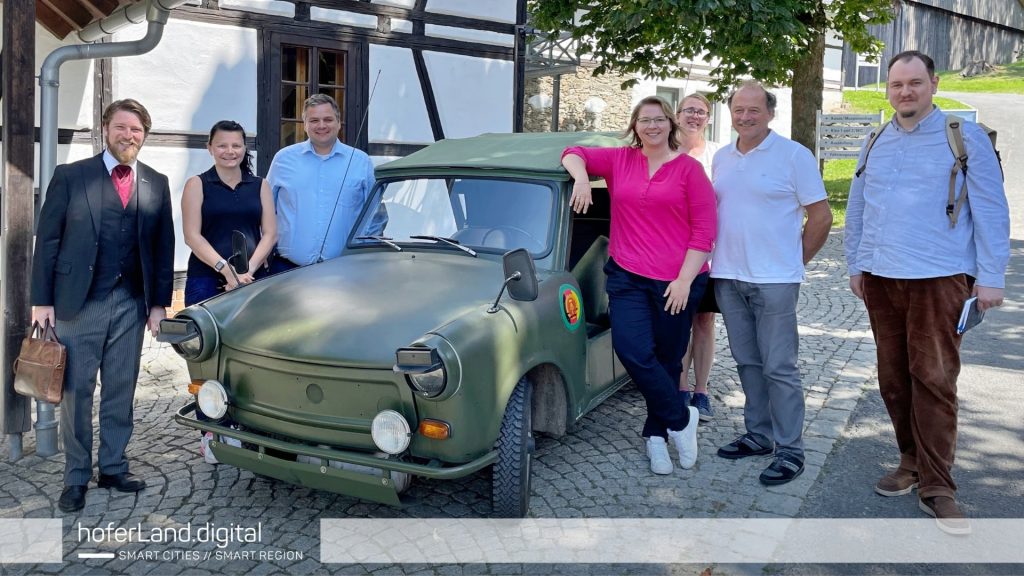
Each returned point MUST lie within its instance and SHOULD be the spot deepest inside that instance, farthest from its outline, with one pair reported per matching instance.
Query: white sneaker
(204, 448)
(685, 440)
(657, 451)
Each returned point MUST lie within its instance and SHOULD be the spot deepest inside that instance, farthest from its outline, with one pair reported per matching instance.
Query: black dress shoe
(72, 499)
(121, 482)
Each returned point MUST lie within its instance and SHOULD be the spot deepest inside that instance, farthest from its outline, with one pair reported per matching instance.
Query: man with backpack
(915, 253)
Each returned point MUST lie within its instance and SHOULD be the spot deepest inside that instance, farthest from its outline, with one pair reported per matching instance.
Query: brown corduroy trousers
(914, 324)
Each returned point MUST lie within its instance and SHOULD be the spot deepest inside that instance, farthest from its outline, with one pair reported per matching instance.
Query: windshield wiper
(447, 241)
(383, 239)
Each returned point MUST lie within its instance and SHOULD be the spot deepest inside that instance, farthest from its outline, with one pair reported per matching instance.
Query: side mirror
(520, 278)
(519, 263)
(239, 252)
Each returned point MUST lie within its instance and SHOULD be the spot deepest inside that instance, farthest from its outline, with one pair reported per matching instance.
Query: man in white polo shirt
(765, 184)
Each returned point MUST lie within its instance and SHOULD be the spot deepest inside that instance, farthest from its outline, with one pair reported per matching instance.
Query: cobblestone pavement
(599, 470)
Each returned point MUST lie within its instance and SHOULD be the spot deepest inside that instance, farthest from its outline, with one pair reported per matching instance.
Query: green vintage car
(466, 313)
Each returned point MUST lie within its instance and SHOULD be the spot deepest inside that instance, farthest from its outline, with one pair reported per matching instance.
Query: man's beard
(127, 156)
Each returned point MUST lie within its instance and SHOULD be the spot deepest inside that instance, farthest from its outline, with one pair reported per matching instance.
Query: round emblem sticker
(572, 308)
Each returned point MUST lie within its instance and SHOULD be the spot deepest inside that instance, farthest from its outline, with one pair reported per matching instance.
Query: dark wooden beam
(99, 8)
(53, 20)
(16, 211)
(428, 95)
(79, 15)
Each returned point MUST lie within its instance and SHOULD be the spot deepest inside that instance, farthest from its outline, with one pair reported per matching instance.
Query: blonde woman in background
(693, 114)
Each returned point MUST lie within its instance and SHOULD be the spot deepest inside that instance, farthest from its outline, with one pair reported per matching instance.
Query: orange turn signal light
(435, 429)
(193, 386)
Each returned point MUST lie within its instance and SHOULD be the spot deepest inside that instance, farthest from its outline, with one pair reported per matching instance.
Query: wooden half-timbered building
(405, 72)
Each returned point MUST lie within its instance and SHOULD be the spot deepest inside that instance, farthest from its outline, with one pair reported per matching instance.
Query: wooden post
(19, 34)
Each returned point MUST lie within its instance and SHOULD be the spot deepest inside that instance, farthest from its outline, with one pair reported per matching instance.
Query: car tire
(511, 473)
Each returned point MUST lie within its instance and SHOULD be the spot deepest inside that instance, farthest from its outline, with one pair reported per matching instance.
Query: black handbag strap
(44, 332)
(49, 332)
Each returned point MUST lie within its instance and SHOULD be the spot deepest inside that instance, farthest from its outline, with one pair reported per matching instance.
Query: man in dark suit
(102, 272)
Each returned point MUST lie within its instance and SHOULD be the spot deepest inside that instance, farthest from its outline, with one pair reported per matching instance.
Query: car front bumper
(322, 476)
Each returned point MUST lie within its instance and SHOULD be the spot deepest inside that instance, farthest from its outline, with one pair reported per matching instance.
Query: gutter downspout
(156, 13)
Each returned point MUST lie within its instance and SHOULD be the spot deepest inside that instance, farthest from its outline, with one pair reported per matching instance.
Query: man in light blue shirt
(320, 186)
(914, 269)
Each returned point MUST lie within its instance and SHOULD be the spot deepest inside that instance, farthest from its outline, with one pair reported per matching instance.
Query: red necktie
(122, 177)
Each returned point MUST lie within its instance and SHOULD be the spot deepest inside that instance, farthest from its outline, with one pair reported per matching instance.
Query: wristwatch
(220, 265)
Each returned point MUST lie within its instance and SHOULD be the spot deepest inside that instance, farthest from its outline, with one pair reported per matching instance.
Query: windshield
(485, 214)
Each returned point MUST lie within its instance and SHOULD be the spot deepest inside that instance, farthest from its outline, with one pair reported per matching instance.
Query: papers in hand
(970, 315)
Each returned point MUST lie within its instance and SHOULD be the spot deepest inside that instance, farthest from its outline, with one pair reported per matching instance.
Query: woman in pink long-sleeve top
(663, 226)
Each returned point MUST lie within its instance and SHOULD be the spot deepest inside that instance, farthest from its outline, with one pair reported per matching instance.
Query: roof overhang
(63, 17)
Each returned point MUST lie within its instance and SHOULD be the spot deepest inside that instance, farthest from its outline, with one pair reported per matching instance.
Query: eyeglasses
(695, 112)
(649, 121)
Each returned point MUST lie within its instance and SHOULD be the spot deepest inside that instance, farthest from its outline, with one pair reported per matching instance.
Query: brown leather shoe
(897, 483)
(947, 514)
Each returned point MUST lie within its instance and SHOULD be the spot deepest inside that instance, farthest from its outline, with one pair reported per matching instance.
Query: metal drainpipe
(156, 13)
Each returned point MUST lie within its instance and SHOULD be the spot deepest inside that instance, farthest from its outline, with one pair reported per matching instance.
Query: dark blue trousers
(650, 342)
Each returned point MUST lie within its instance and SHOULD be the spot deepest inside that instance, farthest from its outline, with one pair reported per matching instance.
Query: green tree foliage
(780, 42)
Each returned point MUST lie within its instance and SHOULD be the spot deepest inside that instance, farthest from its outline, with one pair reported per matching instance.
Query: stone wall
(587, 103)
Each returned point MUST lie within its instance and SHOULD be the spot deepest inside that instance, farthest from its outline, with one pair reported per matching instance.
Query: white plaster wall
(343, 17)
(474, 95)
(494, 10)
(410, 4)
(397, 111)
(378, 160)
(178, 164)
(271, 7)
(198, 74)
(65, 153)
(833, 66)
(399, 25)
(467, 35)
(783, 111)
(74, 97)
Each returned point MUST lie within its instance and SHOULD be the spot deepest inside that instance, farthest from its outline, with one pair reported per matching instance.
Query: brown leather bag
(39, 369)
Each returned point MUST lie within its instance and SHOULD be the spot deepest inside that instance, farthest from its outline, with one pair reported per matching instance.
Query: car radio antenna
(344, 178)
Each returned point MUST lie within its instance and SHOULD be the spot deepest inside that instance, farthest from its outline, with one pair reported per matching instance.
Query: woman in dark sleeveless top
(225, 198)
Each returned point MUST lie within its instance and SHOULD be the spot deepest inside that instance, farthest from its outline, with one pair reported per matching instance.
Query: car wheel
(511, 474)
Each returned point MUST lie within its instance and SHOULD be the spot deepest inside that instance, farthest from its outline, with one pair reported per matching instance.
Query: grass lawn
(870, 102)
(838, 175)
(1006, 79)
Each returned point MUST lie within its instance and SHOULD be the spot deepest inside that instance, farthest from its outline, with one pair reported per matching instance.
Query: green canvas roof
(520, 152)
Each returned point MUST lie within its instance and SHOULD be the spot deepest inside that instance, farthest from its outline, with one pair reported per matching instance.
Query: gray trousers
(761, 322)
(106, 337)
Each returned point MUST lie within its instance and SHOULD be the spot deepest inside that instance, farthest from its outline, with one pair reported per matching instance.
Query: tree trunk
(808, 83)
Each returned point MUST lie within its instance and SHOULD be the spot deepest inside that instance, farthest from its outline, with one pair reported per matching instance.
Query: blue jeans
(650, 342)
(280, 264)
(199, 288)
(761, 322)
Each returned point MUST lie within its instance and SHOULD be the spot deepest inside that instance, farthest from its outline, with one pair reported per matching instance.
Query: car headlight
(423, 368)
(390, 432)
(193, 334)
(213, 399)
(191, 348)
(183, 335)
